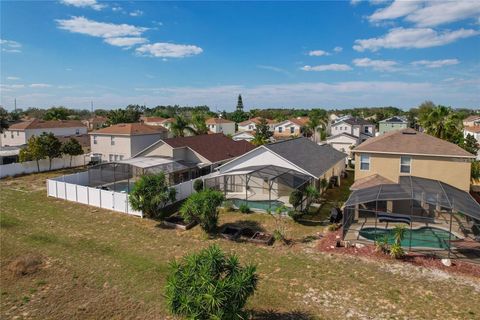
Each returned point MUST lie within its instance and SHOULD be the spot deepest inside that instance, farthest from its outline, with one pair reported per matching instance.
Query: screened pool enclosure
(260, 187)
(440, 220)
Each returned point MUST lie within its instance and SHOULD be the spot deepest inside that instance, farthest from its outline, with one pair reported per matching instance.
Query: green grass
(102, 264)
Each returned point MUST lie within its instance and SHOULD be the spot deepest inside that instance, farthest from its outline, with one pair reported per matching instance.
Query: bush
(198, 185)
(295, 215)
(244, 208)
(210, 285)
(203, 208)
(295, 198)
(396, 251)
(332, 227)
(381, 244)
(227, 206)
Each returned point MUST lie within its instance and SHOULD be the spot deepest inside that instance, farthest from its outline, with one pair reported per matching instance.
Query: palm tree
(180, 125)
(442, 122)
(317, 123)
(198, 122)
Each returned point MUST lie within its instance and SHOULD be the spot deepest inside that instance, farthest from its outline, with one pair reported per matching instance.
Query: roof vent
(410, 132)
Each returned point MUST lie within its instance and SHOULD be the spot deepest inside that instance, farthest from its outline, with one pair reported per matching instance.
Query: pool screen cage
(440, 220)
(267, 182)
(111, 175)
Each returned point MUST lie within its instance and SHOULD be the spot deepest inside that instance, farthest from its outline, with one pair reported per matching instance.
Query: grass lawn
(99, 264)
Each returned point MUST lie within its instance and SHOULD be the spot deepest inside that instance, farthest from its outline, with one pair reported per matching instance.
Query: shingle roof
(217, 121)
(357, 121)
(342, 134)
(152, 119)
(130, 129)
(214, 147)
(394, 119)
(474, 129)
(304, 153)
(43, 124)
(409, 141)
(471, 118)
(256, 120)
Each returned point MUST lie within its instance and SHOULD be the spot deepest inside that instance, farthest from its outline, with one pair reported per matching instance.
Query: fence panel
(61, 190)
(71, 192)
(120, 201)
(52, 188)
(106, 199)
(82, 194)
(94, 197)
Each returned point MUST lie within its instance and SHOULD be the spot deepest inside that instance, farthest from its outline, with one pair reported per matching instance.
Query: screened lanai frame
(242, 179)
(420, 201)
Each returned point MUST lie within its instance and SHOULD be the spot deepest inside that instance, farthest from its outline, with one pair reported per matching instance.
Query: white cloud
(11, 87)
(380, 65)
(10, 46)
(99, 29)
(412, 38)
(435, 63)
(327, 67)
(318, 53)
(428, 13)
(125, 41)
(338, 49)
(355, 2)
(40, 85)
(136, 13)
(84, 4)
(275, 69)
(168, 50)
(13, 78)
(378, 2)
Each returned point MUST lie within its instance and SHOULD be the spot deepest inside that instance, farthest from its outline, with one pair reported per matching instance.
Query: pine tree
(240, 103)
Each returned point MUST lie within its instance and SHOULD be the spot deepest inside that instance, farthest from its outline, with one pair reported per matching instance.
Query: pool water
(425, 237)
(263, 205)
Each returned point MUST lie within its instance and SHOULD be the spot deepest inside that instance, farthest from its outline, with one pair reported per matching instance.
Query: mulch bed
(329, 241)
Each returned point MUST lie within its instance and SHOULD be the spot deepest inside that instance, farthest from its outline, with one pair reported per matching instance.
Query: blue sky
(334, 54)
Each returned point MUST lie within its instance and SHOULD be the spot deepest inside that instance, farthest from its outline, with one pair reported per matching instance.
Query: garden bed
(178, 222)
(262, 238)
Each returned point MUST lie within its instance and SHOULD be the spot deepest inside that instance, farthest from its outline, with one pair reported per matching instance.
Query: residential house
(271, 172)
(185, 158)
(95, 123)
(219, 125)
(474, 131)
(123, 140)
(19, 133)
(471, 121)
(348, 132)
(407, 152)
(244, 135)
(251, 124)
(393, 123)
(289, 128)
(153, 121)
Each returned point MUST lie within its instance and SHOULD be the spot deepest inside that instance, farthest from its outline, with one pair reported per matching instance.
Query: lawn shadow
(277, 315)
(242, 224)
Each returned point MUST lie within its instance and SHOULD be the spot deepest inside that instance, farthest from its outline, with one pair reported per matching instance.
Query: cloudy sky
(313, 54)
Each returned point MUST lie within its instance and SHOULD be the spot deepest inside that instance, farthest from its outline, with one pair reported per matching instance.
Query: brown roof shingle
(474, 129)
(214, 147)
(409, 141)
(217, 121)
(256, 120)
(44, 124)
(130, 129)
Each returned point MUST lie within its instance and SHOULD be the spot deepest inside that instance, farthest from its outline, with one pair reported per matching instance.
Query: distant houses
(289, 128)
(348, 132)
(391, 124)
(219, 125)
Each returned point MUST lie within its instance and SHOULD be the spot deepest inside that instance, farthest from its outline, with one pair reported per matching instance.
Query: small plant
(396, 251)
(227, 206)
(280, 231)
(198, 185)
(295, 198)
(244, 208)
(381, 244)
(332, 227)
(295, 215)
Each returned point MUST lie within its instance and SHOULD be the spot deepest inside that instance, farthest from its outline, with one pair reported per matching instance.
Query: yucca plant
(151, 193)
(396, 251)
(210, 285)
(203, 208)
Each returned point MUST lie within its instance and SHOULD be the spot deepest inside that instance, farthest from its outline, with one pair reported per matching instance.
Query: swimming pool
(261, 205)
(425, 237)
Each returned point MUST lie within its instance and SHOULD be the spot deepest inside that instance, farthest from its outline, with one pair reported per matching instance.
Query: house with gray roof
(269, 173)
(392, 124)
(354, 126)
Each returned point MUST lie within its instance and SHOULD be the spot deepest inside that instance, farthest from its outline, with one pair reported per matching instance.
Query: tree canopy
(203, 208)
(72, 148)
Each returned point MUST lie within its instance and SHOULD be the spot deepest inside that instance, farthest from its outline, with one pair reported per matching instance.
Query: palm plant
(203, 208)
(198, 122)
(181, 125)
(396, 249)
(442, 122)
(210, 285)
(311, 193)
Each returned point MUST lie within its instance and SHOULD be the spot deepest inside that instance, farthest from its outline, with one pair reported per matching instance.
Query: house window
(121, 158)
(366, 129)
(112, 140)
(77, 131)
(110, 157)
(364, 162)
(94, 139)
(4, 135)
(280, 129)
(292, 130)
(250, 127)
(405, 164)
(18, 133)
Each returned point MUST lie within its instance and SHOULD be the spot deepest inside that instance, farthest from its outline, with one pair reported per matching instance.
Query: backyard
(89, 263)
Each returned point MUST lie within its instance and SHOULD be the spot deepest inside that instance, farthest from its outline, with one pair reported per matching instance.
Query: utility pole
(15, 104)
(91, 105)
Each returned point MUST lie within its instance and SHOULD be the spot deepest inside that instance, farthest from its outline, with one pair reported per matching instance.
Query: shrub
(332, 227)
(151, 193)
(295, 198)
(227, 206)
(203, 208)
(295, 215)
(396, 251)
(244, 208)
(198, 185)
(280, 231)
(210, 285)
(381, 244)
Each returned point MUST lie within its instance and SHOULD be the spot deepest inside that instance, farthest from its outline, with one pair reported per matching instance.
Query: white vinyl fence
(13, 169)
(75, 188)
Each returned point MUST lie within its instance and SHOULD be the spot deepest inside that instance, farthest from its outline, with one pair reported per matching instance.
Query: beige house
(153, 121)
(471, 121)
(407, 152)
(290, 128)
(19, 133)
(251, 124)
(95, 123)
(219, 125)
(124, 140)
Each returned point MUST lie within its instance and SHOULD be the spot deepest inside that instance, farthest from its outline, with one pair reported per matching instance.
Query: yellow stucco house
(384, 159)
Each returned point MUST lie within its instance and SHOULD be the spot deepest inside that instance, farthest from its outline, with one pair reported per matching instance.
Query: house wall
(335, 170)
(453, 171)
(121, 148)
(13, 138)
(342, 143)
(17, 137)
(140, 142)
(225, 128)
(249, 127)
(243, 136)
(161, 149)
(286, 131)
(387, 127)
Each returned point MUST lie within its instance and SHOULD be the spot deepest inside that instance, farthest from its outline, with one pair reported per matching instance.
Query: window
(366, 130)
(110, 157)
(121, 158)
(292, 130)
(4, 135)
(94, 139)
(405, 164)
(112, 140)
(18, 133)
(116, 157)
(280, 129)
(250, 127)
(77, 131)
(364, 162)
